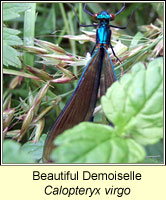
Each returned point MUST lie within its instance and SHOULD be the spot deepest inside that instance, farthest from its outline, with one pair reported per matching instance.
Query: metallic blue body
(103, 33)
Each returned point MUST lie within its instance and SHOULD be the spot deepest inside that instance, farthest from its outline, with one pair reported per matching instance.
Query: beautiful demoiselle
(82, 103)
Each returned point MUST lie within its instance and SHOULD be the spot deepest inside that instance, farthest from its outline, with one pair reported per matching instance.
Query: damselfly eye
(112, 17)
(95, 15)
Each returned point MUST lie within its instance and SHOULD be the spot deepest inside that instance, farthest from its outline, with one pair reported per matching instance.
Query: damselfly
(82, 103)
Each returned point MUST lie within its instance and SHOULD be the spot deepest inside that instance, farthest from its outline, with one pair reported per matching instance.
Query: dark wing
(108, 75)
(81, 105)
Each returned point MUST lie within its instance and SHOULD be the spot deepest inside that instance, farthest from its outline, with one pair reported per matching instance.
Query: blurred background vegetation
(50, 22)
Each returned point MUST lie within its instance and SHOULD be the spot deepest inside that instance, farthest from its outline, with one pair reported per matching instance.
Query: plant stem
(29, 32)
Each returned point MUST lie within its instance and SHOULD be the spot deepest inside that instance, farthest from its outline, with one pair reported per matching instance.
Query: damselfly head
(104, 15)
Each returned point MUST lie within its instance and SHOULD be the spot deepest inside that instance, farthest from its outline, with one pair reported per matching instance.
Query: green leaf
(12, 10)
(135, 103)
(10, 38)
(10, 55)
(35, 150)
(155, 151)
(12, 153)
(95, 143)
